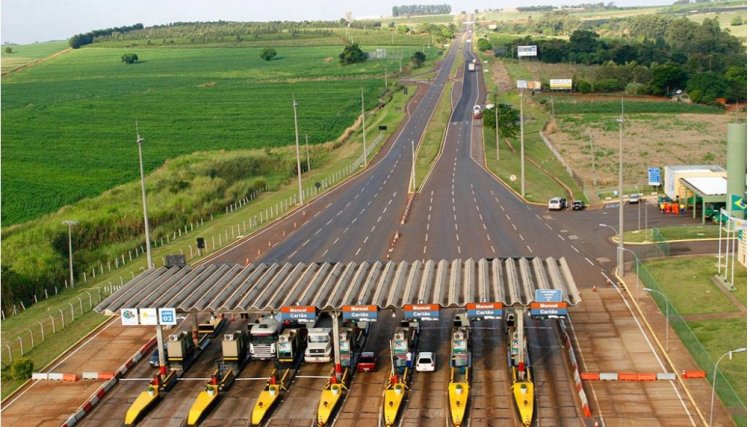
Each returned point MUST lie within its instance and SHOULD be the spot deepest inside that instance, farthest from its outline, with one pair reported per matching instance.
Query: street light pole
(70, 224)
(620, 249)
(523, 159)
(364, 143)
(149, 259)
(296, 142)
(413, 180)
(666, 315)
(497, 131)
(620, 269)
(713, 383)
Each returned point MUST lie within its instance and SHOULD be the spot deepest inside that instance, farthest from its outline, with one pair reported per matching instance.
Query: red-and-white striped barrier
(576, 374)
(107, 386)
(628, 376)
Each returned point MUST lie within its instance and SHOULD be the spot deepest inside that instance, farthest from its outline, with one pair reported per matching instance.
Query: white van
(557, 204)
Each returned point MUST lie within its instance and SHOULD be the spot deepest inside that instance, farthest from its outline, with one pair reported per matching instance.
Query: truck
(264, 333)
(290, 343)
(472, 66)
(319, 345)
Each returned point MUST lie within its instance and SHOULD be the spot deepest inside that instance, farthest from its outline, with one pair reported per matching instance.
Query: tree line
(79, 40)
(421, 9)
(700, 58)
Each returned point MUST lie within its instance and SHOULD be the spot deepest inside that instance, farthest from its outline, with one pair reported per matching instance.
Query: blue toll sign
(654, 177)
(361, 313)
(548, 295)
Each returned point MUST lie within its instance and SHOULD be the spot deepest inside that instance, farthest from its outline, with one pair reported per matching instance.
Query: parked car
(368, 362)
(634, 198)
(557, 204)
(425, 361)
(578, 205)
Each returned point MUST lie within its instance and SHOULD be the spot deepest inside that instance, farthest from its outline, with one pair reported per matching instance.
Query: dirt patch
(501, 77)
(649, 140)
(328, 59)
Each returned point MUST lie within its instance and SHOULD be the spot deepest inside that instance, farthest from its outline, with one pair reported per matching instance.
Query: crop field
(25, 54)
(70, 122)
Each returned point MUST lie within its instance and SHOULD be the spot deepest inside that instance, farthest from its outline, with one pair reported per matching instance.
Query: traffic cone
(593, 288)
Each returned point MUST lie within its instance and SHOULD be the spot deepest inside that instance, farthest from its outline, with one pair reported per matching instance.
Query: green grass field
(69, 123)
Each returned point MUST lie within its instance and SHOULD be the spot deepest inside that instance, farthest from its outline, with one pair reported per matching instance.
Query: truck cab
(319, 345)
(264, 333)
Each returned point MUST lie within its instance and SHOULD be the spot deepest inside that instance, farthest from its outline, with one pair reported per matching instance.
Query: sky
(29, 21)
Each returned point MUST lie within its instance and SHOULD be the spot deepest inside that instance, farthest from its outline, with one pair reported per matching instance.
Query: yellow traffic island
(267, 400)
(394, 395)
(145, 401)
(523, 394)
(204, 402)
(329, 399)
(458, 397)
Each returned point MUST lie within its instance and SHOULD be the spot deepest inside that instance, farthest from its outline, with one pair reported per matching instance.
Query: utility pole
(296, 140)
(385, 77)
(70, 224)
(497, 131)
(364, 141)
(593, 157)
(307, 150)
(139, 141)
(620, 245)
(413, 180)
(523, 158)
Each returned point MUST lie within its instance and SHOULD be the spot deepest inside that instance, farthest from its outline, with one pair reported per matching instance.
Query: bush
(22, 368)
(484, 44)
(352, 54)
(129, 58)
(608, 85)
(268, 53)
(584, 86)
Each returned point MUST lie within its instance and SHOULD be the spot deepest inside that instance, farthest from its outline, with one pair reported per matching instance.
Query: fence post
(10, 355)
(72, 311)
(46, 296)
(81, 302)
(20, 341)
(191, 250)
(84, 277)
(53, 323)
(62, 316)
(41, 326)
(91, 300)
(32, 337)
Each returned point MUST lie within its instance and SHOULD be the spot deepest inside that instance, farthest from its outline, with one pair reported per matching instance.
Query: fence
(15, 345)
(726, 392)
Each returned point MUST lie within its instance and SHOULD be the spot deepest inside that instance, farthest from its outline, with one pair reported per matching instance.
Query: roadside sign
(361, 313)
(522, 84)
(526, 51)
(561, 84)
(422, 311)
(147, 316)
(300, 313)
(548, 295)
(654, 177)
(485, 310)
(129, 316)
(167, 316)
(549, 313)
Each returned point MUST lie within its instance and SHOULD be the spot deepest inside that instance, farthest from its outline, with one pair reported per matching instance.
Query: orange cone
(593, 288)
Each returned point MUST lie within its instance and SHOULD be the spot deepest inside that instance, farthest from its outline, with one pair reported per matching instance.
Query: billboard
(654, 176)
(526, 51)
(561, 84)
(529, 84)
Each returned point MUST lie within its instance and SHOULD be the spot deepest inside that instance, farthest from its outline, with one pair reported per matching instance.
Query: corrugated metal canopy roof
(223, 287)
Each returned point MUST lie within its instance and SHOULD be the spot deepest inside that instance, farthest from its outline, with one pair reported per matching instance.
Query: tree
(129, 58)
(737, 78)
(737, 20)
(667, 77)
(8, 49)
(268, 53)
(22, 368)
(508, 119)
(352, 54)
(584, 41)
(484, 44)
(418, 59)
(705, 88)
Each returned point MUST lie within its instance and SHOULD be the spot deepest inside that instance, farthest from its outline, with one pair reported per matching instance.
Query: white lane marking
(354, 220)
(459, 249)
(458, 239)
(366, 239)
(481, 218)
(426, 236)
(514, 227)
(347, 205)
(325, 252)
(575, 249)
(529, 248)
(484, 226)
(455, 226)
(589, 261)
(493, 248)
(358, 250)
(379, 218)
(428, 226)
(306, 242)
(337, 240)
(424, 249)
(521, 236)
(318, 232)
(329, 221)
(372, 229)
(561, 237)
(340, 212)
(488, 237)
(385, 209)
(548, 226)
(362, 211)
(502, 208)
(506, 215)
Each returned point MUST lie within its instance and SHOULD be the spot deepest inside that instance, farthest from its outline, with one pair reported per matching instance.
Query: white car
(557, 204)
(634, 198)
(425, 362)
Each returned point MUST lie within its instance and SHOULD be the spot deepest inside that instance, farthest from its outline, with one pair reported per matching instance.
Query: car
(368, 362)
(154, 361)
(634, 198)
(425, 362)
(557, 204)
(578, 205)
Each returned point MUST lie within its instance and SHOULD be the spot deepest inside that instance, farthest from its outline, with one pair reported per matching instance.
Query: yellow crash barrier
(266, 401)
(143, 403)
(523, 394)
(329, 398)
(458, 397)
(205, 400)
(393, 396)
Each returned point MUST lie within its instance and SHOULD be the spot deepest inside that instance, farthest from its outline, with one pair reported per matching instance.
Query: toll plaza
(349, 294)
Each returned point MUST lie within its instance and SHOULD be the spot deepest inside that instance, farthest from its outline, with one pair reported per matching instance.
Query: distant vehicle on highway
(578, 205)
(477, 111)
(634, 198)
(557, 204)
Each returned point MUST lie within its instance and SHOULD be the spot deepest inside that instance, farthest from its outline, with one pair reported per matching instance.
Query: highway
(462, 211)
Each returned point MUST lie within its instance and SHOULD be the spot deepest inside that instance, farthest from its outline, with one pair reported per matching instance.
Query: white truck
(263, 335)
(472, 66)
(319, 345)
